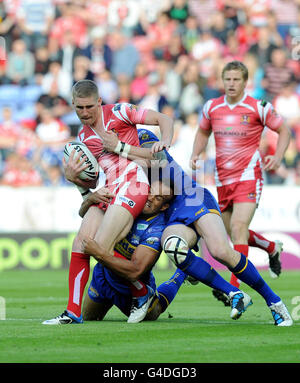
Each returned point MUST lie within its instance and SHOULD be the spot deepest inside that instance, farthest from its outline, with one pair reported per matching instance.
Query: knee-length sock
(247, 273)
(79, 272)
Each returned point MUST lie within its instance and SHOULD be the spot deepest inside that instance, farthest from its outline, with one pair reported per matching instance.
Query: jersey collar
(232, 106)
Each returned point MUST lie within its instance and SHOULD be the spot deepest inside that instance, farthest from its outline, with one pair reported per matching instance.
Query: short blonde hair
(85, 88)
(236, 65)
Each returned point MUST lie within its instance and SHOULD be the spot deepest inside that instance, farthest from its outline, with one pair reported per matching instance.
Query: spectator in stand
(257, 11)
(7, 26)
(123, 14)
(20, 172)
(62, 78)
(150, 10)
(202, 10)
(219, 28)
(173, 80)
(124, 91)
(256, 74)
(179, 11)
(9, 133)
(34, 18)
(277, 73)
(191, 100)
(287, 104)
(108, 87)
(154, 99)
(181, 147)
(42, 62)
(233, 50)
(190, 33)
(264, 46)
(175, 49)
(160, 33)
(69, 20)
(272, 25)
(286, 15)
(57, 105)
(68, 52)
(20, 64)
(206, 51)
(139, 85)
(125, 56)
(82, 69)
(98, 51)
(27, 142)
(247, 35)
(95, 12)
(53, 134)
(53, 176)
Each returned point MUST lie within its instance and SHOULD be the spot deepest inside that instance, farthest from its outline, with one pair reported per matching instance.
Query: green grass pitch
(195, 328)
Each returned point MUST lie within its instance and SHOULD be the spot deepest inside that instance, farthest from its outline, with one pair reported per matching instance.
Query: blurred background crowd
(166, 55)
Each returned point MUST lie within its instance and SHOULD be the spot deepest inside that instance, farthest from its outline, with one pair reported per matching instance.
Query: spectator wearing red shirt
(139, 85)
(9, 132)
(19, 172)
(70, 20)
(160, 33)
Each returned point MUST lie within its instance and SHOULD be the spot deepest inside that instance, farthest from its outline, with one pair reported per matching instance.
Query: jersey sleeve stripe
(206, 107)
(266, 111)
(149, 247)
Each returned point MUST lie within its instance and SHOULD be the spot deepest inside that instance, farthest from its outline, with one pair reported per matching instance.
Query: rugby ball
(82, 151)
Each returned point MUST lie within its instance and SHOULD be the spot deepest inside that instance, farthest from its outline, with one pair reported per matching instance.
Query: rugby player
(237, 121)
(126, 180)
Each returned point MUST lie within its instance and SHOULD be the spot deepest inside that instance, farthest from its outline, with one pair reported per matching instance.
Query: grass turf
(194, 329)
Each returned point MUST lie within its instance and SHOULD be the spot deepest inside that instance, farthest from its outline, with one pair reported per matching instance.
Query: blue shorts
(107, 287)
(186, 209)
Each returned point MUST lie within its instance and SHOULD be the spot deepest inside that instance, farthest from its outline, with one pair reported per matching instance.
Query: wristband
(122, 149)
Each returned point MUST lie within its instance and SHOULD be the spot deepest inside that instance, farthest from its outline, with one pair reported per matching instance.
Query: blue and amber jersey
(146, 231)
(191, 200)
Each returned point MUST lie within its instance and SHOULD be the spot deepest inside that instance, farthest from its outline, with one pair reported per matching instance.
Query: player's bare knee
(176, 249)
(220, 252)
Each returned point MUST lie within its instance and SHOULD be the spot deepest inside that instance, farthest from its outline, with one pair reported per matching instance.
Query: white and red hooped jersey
(124, 178)
(237, 130)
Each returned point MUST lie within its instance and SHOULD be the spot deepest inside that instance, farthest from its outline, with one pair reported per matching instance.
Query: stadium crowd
(166, 55)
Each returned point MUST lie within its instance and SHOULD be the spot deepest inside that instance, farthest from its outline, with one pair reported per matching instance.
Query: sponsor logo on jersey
(152, 240)
(93, 292)
(245, 120)
(142, 226)
(126, 200)
(199, 211)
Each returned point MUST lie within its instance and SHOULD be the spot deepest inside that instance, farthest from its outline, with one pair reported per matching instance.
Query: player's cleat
(280, 314)
(274, 260)
(220, 296)
(140, 306)
(240, 301)
(191, 280)
(65, 318)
